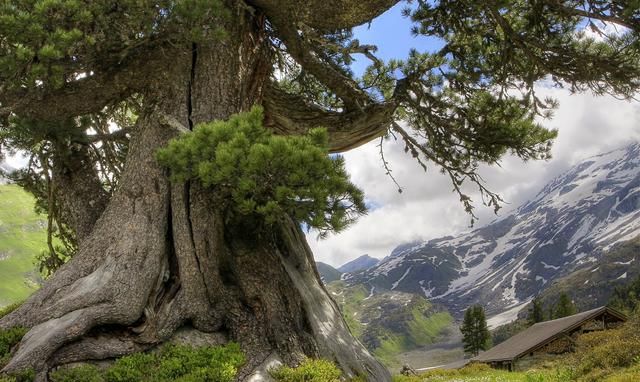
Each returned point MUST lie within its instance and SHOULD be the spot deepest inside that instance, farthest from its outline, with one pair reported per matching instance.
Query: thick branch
(89, 94)
(326, 15)
(302, 51)
(290, 114)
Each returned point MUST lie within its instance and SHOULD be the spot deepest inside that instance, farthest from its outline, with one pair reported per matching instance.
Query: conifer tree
(536, 312)
(626, 298)
(565, 307)
(164, 242)
(475, 332)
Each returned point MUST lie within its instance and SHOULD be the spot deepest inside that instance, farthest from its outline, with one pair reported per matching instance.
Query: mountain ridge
(571, 222)
(360, 263)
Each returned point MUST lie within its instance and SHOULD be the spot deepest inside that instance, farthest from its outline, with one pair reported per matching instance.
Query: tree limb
(289, 114)
(89, 94)
(326, 15)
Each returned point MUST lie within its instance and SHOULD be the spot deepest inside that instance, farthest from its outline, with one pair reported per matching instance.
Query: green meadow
(22, 237)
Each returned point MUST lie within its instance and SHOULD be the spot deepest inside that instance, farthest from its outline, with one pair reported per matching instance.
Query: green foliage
(475, 333)
(22, 376)
(267, 176)
(49, 41)
(311, 370)
(626, 298)
(82, 373)
(134, 367)
(536, 311)
(565, 307)
(170, 363)
(506, 331)
(8, 339)
(600, 353)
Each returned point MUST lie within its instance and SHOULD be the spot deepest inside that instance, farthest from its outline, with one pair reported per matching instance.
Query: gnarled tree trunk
(162, 256)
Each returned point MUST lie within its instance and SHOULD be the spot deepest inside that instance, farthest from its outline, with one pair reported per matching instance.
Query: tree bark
(162, 256)
(78, 188)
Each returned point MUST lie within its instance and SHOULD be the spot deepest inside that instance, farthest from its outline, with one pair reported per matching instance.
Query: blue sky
(391, 33)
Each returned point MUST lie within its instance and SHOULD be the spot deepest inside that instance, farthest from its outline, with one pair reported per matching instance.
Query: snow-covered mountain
(572, 221)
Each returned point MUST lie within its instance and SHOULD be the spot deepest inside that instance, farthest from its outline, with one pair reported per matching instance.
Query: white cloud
(427, 208)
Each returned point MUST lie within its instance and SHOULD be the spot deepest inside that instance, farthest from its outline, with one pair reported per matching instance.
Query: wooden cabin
(546, 339)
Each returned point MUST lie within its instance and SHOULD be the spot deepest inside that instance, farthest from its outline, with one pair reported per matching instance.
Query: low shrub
(601, 353)
(134, 367)
(83, 373)
(171, 363)
(311, 370)
(8, 339)
(22, 376)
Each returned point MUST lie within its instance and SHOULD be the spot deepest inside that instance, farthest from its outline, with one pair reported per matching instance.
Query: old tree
(93, 89)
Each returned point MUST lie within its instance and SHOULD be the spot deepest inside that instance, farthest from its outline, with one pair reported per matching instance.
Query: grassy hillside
(390, 323)
(22, 237)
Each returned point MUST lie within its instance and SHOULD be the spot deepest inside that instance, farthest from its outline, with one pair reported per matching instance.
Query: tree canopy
(76, 64)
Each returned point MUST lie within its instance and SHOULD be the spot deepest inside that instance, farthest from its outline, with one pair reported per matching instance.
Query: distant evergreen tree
(536, 312)
(626, 298)
(565, 307)
(475, 332)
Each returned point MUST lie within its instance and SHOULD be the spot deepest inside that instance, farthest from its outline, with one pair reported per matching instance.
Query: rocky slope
(570, 224)
(327, 272)
(592, 285)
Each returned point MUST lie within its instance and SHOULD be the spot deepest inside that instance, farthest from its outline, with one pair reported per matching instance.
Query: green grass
(22, 237)
(421, 330)
(424, 330)
(482, 373)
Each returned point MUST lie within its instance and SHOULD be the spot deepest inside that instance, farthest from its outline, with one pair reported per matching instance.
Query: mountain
(361, 263)
(592, 285)
(390, 322)
(327, 272)
(570, 224)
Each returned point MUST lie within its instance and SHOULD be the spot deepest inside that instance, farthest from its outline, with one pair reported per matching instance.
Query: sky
(427, 208)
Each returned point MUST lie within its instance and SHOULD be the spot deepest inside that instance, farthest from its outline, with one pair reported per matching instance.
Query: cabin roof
(541, 334)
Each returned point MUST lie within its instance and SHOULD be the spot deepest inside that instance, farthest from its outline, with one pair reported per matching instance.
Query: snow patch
(401, 278)
(547, 266)
(506, 316)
